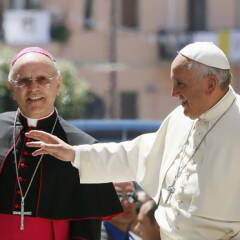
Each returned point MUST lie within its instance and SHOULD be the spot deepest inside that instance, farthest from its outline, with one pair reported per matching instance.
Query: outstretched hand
(50, 144)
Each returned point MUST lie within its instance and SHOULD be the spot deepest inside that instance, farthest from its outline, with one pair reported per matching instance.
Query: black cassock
(55, 192)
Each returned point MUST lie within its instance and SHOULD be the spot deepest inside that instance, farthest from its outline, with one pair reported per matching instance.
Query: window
(17, 4)
(88, 15)
(129, 13)
(129, 105)
(24, 4)
(196, 15)
(29, 4)
(95, 107)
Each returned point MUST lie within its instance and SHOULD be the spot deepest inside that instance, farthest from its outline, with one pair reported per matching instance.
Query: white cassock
(204, 154)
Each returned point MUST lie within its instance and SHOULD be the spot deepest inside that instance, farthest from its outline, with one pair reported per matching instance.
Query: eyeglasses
(26, 82)
(131, 196)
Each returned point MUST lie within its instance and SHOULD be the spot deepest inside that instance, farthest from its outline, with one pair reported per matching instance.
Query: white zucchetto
(206, 53)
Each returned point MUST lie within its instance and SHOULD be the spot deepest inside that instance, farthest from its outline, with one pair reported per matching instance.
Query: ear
(12, 89)
(59, 80)
(212, 83)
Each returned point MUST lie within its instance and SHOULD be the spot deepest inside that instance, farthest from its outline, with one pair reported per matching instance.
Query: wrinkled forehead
(33, 62)
(180, 63)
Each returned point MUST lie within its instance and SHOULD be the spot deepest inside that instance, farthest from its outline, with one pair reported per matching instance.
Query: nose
(33, 84)
(125, 202)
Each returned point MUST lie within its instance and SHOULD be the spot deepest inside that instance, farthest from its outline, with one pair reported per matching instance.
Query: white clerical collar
(220, 107)
(32, 122)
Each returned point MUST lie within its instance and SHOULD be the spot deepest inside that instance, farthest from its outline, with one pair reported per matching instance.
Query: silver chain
(171, 187)
(23, 196)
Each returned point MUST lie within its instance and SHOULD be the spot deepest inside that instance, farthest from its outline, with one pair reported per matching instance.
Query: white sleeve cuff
(76, 162)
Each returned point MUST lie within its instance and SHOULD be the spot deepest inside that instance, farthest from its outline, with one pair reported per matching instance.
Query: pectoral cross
(22, 213)
(171, 190)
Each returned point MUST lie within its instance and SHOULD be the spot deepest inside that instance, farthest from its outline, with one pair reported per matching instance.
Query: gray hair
(223, 76)
(11, 71)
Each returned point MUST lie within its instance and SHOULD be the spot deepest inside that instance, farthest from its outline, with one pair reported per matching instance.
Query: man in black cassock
(42, 199)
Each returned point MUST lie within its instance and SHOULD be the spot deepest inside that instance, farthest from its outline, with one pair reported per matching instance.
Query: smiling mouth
(35, 99)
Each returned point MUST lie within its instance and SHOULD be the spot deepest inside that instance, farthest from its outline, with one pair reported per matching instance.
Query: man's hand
(50, 144)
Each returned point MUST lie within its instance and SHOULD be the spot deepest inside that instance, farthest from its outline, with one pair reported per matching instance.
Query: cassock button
(16, 206)
(23, 165)
(29, 139)
(21, 179)
(18, 192)
(25, 153)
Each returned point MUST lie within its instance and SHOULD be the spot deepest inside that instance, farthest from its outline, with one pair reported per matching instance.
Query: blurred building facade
(123, 48)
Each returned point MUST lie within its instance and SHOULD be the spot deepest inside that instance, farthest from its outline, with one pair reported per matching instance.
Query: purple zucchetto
(33, 49)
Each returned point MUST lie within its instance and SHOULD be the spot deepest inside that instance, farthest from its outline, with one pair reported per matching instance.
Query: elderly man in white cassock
(191, 165)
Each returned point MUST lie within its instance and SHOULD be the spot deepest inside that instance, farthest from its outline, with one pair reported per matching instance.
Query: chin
(37, 115)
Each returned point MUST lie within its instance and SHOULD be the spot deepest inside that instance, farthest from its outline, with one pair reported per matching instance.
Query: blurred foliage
(6, 101)
(73, 97)
(60, 33)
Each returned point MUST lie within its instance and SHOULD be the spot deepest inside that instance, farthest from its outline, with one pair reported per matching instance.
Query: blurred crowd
(137, 222)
